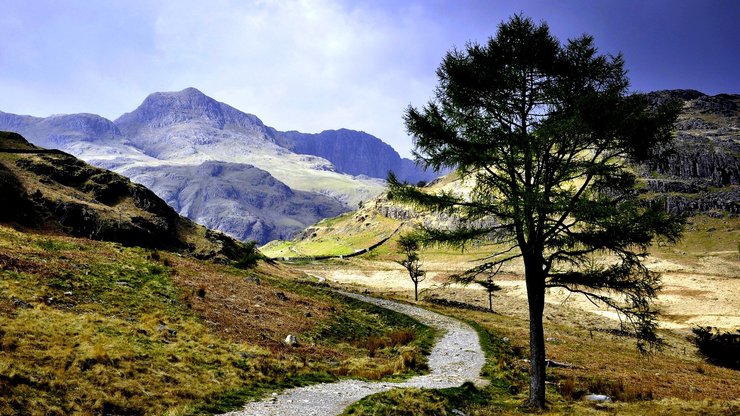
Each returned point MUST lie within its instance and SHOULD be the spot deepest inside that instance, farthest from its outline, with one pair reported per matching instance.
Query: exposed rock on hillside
(239, 199)
(355, 153)
(55, 191)
(701, 173)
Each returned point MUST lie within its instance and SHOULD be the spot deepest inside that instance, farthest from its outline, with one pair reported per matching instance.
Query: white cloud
(311, 65)
(303, 65)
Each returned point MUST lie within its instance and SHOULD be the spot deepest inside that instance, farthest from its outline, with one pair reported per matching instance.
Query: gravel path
(456, 357)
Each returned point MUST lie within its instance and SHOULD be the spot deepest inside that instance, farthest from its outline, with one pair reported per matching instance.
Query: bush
(250, 257)
(720, 348)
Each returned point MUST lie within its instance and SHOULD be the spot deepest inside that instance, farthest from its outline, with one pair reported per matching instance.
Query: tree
(490, 285)
(409, 244)
(548, 132)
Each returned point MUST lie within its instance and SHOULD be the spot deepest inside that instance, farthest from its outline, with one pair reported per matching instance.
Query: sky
(313, 65)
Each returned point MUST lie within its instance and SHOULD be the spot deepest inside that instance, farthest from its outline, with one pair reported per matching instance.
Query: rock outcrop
(355, 153)
(701, 171)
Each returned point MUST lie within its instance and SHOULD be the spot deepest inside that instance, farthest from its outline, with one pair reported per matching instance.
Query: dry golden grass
(672, 381)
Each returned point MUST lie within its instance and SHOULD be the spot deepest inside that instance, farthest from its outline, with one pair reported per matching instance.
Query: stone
(291, 340)
(597, 398)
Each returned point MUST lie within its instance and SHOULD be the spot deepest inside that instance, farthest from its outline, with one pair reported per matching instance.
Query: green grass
(417, 402)
(338, 236)
(96, 328)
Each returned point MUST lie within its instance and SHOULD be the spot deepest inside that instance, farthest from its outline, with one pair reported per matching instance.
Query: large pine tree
(548, 132)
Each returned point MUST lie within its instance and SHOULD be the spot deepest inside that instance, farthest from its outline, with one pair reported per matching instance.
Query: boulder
(291, 340)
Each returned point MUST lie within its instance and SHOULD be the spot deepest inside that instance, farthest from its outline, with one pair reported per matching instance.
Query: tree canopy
(548, 132)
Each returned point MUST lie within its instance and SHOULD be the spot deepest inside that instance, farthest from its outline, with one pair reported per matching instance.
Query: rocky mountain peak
(161, 109)
(164, 109)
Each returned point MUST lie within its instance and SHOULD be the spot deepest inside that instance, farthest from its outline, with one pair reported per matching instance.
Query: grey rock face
(162, 109)
(701, 173)
(355, 153)
(713, 159)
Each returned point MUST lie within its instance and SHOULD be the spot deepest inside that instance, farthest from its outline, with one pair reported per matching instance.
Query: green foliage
(721, 348)
(250, 257)
(547, 130)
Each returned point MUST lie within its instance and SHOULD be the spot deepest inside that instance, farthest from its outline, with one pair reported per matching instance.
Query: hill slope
(240, 199)
(355, 153)
(52, 190)
(702, 173)
(91, 327)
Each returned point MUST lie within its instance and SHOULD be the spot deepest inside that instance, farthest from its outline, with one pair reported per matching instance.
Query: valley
(699, 289)
(163, 316)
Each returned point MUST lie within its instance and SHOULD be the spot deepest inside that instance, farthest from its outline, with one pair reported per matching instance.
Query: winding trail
(456, 357)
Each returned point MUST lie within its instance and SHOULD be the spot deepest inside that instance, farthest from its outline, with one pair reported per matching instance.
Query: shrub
(720, 348)
(401, 337)
(250, 257)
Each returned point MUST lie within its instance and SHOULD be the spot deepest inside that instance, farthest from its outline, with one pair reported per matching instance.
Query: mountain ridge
(169, 130)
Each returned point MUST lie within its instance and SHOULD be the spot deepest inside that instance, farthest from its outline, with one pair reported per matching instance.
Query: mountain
(171, 134)
(91, 137)
(355, 153)
(53, 191)
(239, 198)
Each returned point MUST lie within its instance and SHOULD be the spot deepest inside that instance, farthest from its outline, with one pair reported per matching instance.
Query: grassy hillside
(338, 236)
(98, 328)
(51, 190)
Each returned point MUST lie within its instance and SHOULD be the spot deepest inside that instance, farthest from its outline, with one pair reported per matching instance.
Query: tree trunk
(490, 301)
(416, 291)
(536, 301)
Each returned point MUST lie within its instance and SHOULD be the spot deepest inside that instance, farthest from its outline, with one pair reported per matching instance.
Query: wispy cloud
(311, 65)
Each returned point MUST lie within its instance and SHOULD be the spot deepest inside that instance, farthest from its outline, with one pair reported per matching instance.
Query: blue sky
(323, 64)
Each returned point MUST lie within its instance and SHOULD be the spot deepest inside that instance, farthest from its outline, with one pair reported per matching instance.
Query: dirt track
(456, 357)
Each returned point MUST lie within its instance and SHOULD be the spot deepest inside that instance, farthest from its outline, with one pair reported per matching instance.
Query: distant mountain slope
(355, 153)
(52, 190)
(180, 131)
(95, 139)
(238, 199)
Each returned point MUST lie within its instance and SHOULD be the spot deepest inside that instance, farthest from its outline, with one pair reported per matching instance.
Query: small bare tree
(409, 246)
(490, 286)
(487, 283)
